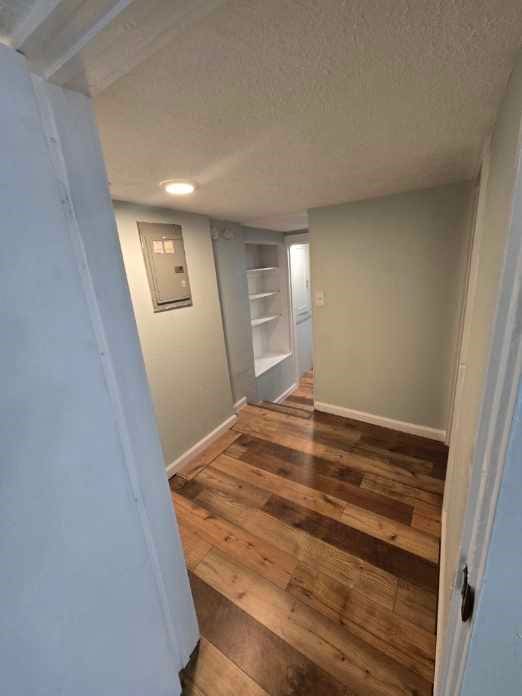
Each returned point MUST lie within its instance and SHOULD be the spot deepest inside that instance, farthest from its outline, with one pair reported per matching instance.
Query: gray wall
(93, 587)
(229, 253)
(392, 273)
(184, 349)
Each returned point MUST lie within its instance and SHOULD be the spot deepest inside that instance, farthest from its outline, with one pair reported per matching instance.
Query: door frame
(290, 241)
(495, 421)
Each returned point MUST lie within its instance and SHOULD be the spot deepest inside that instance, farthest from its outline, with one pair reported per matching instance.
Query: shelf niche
(269, 314)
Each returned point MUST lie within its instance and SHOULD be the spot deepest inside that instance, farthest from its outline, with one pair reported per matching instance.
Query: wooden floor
(312, 543)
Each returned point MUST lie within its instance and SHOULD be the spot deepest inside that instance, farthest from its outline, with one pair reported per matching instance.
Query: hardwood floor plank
(417, 605)
(405, 642)
(189, 490)
(269, 660)
(429, 504)
(307, 497)
(194, 547)
(254, 521)
(263, 557)
(215, 675)
(398, 459)
(426, 524)
(393, 440)
(404, 537)
(344, 439)
(247, 445)
(220, 479)
(439, 469)
(286, 409)
(190, 689)
(390, 558)
(303, 402)
(331, 647)
(365, 464)
(200, 461)
(303, 393)
(313, 547)
(322, 476)
(375, 583)
(225, 505)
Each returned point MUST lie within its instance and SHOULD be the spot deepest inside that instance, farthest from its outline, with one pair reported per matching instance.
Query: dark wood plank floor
(312, 544)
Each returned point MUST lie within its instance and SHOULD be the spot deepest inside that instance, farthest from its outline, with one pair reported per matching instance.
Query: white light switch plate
(319, 298)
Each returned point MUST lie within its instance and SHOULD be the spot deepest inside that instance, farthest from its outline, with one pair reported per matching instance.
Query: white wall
(391, 272)
(94, 590)
(184, 349)
(494, 221)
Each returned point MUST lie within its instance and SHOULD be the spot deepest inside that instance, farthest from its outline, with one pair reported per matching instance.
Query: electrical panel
(166, 264)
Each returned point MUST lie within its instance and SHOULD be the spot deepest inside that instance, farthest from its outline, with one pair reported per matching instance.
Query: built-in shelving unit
(264, 320)
(262, 269)
(269, 313)
(262, 295)
(264, 363)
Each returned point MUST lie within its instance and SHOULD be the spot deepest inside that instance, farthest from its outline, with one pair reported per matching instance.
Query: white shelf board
(261, 269)
(265, 362)
(264, 320)
(261, 295)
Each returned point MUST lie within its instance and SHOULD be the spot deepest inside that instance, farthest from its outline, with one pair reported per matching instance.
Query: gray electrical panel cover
(164, 255)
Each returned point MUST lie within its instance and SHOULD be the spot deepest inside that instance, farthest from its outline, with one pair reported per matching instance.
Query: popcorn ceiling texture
(11, 12)
(283, 105)
(278, 106)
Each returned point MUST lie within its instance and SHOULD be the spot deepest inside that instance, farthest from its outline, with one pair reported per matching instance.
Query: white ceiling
(277, 106)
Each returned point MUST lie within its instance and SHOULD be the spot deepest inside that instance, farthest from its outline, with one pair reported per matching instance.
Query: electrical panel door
(166, 265)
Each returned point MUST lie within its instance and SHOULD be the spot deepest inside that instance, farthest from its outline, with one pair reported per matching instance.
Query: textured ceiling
(277, 106)
(11, 12)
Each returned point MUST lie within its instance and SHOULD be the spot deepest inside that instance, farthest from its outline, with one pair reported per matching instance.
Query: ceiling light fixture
(178, 188)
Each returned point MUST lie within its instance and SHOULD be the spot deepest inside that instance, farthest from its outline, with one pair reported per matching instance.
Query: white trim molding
(180, 462)
(240, 403)
(402, 426)
(286, 393)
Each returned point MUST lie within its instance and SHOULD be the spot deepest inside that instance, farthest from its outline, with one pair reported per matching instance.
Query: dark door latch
(468, 597)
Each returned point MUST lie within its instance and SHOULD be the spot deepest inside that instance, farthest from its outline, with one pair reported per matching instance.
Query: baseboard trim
(240, 403)
(402, 426)
(286, 393)
(178, 463)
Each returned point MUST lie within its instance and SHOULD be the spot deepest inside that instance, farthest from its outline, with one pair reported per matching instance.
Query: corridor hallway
(312, 543)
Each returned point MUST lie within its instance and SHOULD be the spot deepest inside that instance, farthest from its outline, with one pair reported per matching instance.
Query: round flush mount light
(178, 188)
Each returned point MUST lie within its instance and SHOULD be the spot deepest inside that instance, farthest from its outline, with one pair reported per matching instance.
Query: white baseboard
(286, 393)
(240, 403)
(402, 426)
(178, 463)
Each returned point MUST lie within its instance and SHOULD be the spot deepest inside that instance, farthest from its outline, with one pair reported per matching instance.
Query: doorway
(302, 323)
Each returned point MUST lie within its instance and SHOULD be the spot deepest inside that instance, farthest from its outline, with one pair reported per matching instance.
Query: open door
(488, 379)
(301, 306)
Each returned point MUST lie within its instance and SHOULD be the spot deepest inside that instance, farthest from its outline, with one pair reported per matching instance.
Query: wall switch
(319, 298)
